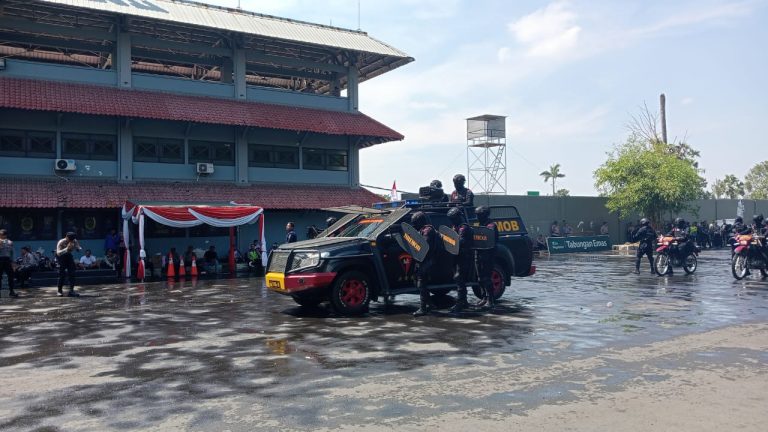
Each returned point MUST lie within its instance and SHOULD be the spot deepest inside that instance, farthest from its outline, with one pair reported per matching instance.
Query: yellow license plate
(274, 284)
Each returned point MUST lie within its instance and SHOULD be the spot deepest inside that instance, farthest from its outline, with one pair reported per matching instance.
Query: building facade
(103, 101)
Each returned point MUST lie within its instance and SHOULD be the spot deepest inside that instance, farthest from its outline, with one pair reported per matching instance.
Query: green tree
(729, 187)
(756, 181)
(647, 178)
(563, 193)
(553, 174)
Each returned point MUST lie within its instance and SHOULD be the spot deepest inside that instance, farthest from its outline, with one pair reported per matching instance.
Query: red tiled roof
(41, 193)
(111, 101)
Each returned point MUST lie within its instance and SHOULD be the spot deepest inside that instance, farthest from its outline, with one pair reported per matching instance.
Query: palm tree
(553, 174)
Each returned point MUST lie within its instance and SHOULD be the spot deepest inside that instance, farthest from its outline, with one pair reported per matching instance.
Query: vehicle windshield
(363, 227)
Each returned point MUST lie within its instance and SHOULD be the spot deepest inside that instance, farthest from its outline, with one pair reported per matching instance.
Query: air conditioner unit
(205, 168)
(65, 165)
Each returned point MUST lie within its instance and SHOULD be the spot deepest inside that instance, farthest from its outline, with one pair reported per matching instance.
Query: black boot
(13, 293)
(424, 301)
(461, 301)
(61, 292)
(73, 293)
(491, 301)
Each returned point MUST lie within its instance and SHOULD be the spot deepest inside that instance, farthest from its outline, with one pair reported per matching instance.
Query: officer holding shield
(421, 222)
(486, 257)
(464, 258)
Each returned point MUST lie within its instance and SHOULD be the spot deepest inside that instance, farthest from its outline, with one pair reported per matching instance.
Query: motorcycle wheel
(691, 264)
(661, 264)
(739, 266)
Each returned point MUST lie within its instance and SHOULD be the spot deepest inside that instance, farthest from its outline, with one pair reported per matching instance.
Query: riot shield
(484, 239)
(412, 242)
(450, 239)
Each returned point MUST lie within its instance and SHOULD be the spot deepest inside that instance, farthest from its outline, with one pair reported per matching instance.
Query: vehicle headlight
(303, 260)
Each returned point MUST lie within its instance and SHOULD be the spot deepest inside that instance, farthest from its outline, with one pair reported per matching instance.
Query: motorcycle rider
(464, 259)
(485, 258)
(462, 195)
(421, 222)
(645, 235)
(681, 234)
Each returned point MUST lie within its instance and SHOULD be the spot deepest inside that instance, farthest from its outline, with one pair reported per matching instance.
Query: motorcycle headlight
(666, 243)
(743, 242)
(302, 260)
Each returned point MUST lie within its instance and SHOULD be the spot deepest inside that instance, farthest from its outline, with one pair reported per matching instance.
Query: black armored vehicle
(358, 259)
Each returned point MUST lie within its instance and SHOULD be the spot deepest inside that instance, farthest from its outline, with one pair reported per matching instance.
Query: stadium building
(107, 101)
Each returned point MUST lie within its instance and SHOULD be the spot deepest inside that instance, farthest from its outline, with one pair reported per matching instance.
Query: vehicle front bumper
(295, 283)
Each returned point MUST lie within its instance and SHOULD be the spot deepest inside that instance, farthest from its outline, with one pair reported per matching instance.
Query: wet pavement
(230, 355)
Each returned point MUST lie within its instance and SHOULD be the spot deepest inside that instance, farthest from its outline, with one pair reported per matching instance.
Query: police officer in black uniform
(738, 228)
(437, 194)
(645, 234)
(330, 221)
(421, 222)
(464, 259)
(486, 258)
(462, 195)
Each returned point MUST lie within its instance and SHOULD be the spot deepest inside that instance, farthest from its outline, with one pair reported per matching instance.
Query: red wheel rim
(353, 292)
(496, 282)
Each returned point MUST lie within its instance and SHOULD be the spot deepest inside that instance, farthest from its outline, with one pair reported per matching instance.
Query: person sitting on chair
(28, 265)
(88, 261)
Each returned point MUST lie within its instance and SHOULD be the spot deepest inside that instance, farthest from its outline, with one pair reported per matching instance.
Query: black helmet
(483, 213)
(437, 184)
(330, 221)
(739, 219)
(680, 222)
(644, 222)
(758, 219)
(455, 216)
(419, 219)
(459, 180)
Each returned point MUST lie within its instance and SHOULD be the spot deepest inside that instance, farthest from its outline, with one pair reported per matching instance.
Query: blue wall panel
(288, 97)
(34, 70)
(182, 85)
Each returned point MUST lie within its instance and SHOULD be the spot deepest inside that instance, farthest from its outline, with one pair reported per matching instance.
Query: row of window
(33, 144)
(17, 143)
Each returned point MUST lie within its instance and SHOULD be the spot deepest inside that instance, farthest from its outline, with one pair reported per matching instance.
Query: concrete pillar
(241, 156)
(123, 59)
(238, 63)
(353, 161)
(352, 88)
(226, 70)
(125, 152)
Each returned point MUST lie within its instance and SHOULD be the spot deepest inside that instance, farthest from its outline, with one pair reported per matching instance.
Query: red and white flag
(393, 194)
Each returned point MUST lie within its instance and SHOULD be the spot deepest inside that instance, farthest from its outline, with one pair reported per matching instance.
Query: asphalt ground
(582, 345)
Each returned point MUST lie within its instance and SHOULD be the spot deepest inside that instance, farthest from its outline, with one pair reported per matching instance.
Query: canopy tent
(186, 216)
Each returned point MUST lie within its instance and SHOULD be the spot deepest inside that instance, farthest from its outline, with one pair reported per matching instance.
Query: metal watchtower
(486, 154)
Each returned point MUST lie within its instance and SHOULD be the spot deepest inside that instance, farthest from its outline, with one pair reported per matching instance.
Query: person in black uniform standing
(486, 258)
(645, 235)
(462, 195)
(64, 249)
(421, 222)
(6, 261)
(437, 194)
(463, 260)
(290, 233)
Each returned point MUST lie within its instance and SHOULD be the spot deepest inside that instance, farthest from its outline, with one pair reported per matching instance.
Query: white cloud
(697, 15)
(504, 54)
(547, 32)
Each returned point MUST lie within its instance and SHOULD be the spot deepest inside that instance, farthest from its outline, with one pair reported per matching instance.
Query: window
(272, 156)
(319, 159)
(217, 152)
(23, 225)
(85, 146)
(158, 150)
(27, 143)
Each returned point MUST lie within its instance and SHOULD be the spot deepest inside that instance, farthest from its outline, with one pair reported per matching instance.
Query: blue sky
(567, 74)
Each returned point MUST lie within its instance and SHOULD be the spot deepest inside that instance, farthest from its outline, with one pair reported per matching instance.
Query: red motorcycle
(669, 254)
(749, 254)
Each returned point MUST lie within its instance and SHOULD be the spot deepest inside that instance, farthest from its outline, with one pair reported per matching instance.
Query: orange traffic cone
(171, 269)
(193, 268)
(182, 270)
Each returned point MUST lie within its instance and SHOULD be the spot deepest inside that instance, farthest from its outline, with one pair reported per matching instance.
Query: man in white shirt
(88, 261)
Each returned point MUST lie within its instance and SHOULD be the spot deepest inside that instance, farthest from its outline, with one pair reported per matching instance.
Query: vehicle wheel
(691, 264)
(308, 300)
(498, 278)
(351, 293)
(739, 266)
(661, 264)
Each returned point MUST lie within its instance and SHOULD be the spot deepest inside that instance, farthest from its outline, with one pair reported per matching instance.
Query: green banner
(558, 245)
